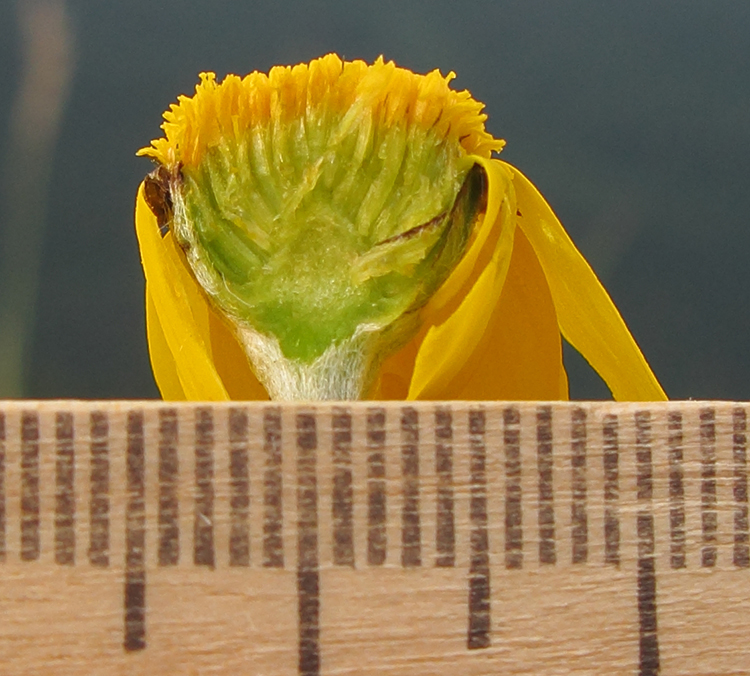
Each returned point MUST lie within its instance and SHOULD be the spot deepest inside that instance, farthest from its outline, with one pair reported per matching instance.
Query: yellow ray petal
(395, 374)
(520, 354)
(231, 363)
(181, 310)
(457, 316)
(162, 362)
(587, 316)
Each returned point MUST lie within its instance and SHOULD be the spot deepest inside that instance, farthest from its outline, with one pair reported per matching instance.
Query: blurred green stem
(47, 66)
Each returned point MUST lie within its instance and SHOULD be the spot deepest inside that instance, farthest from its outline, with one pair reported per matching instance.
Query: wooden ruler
(442, 539)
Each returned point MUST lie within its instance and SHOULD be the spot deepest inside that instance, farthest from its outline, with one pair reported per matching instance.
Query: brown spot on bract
(158, 194)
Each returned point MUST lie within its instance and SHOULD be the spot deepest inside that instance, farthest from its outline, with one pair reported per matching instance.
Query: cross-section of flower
(338, 230)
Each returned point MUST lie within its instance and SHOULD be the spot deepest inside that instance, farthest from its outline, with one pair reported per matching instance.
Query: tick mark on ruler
(239, 486)
(135, 537)
(411, 539)
(709, 515)
(648, 643)
(308, 581)
(446, 527)
(65, 537)
(2, 488)
(203, 528)
(513, 496)
(376, 498)
(676, 491)
(611, 459)
(169, 476)
(273, 517)
(649, 646)
(547, 553)
(99, 479)
(30, 546)
(578, 516)
(479, 635)
(741, 554)
(343, 496)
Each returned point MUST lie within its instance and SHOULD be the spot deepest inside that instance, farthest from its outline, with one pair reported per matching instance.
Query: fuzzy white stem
(343, 372)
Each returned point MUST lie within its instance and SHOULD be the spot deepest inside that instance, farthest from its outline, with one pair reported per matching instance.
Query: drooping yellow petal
(162, 361)
(588, 319)
(456, 318)
(231, 363)
(395, 374)
(183, 313)
(519, 357)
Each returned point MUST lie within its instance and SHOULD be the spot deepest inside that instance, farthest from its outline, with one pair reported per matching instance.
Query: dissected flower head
(345, 226)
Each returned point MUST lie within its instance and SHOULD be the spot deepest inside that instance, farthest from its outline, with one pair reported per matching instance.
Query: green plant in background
(47, 39)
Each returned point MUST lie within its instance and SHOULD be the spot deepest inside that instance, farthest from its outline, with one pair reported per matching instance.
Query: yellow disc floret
(391, 95)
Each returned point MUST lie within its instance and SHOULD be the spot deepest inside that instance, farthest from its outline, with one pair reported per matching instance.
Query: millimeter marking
(741, 554)
(546, 516)
(676, 492)
(448, 475)
(239, 501)
(479, 634)
(65, 504)
(203, 528)
(273, 516)
(649, 644)
(411, 534)
(578, 515)
(99, 498)
(2, 488)
(709, 515)
(169, 476)
(135, 536)
(611, 460)
(376, 488)
(308, 577)
(343, 496)
(513, 495)
(446, 526)
(29, 486)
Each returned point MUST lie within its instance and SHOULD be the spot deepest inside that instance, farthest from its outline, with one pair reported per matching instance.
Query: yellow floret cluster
(389, 95)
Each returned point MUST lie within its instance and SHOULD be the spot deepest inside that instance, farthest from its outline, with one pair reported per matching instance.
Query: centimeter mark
(308, 576)
(479, 567)
(649, 644)
(406, 466)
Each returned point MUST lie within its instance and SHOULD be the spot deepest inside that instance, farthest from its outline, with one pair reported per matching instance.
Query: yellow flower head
(339, 230)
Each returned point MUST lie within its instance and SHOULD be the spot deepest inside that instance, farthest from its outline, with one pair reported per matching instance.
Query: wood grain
(374, 538)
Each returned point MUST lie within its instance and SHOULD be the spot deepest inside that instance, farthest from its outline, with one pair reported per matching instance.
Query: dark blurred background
(633, 118)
